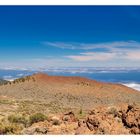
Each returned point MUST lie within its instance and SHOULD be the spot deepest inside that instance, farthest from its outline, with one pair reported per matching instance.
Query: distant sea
(128, 77)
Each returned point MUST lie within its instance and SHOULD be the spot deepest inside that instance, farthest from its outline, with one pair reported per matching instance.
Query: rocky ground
(98, 121)
(122, 119)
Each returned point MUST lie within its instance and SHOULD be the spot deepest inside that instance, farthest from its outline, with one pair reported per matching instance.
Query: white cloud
(117, 54)
(126, 55)
(100, 56)
(122, 51)
(89, 46)
(19, 75)
(133, 55)
(8, 78)
(109, 51)
(135, 86)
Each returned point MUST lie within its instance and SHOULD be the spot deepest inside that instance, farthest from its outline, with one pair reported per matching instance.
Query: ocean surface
(130, 78)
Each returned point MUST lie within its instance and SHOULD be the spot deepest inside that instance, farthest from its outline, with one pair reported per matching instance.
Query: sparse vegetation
(18, 119)
(10, 128)
(26, 102)
(81, 114)
(6, 102)
(19, 80)
(113, 111)
(37, 118)
(19, 124)
(81, 111)
(3, 82)
(83, 83)
(23, 79)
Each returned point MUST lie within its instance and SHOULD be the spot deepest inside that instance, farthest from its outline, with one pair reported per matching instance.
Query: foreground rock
(102, 120)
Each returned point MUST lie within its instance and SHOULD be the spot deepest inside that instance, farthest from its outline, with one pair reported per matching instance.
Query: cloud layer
(89, 46)
(105, 54)
(126, 55)
(118, 50)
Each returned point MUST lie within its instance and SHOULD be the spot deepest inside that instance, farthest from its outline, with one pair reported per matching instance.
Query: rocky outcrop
(114, 120)
(69, 117)
(54, 125)
(131, 119)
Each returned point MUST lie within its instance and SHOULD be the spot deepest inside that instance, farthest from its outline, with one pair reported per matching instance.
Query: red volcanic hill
(59, 79)
(71, 92)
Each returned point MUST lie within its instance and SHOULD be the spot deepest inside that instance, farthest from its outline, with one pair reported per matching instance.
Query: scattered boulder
(69, 117)
(56, 120)
(39, 128)
(131, 119)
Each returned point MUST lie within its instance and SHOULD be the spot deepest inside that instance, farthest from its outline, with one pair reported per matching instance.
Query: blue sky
(69, 36)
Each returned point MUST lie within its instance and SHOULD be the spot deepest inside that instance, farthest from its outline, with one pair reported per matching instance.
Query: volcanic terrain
(81, 105)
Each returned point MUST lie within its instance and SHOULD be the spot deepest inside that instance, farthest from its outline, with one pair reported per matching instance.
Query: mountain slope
(69, 92)
(43, 104)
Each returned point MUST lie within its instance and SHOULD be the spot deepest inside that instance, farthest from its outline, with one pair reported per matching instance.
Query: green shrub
(18, 119)
(80, 114)
(10, 129)
(81, 111)
(37, 118)
(113, 111)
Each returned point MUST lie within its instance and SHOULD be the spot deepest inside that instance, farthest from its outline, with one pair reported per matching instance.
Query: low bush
(113, 111)
(18, 119)
(10, 129)
(80, 111)
(37, 118)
